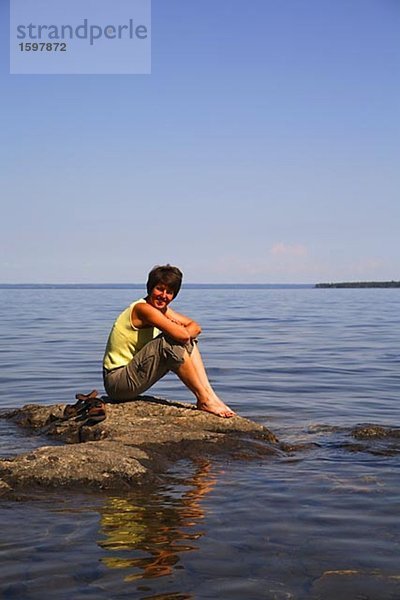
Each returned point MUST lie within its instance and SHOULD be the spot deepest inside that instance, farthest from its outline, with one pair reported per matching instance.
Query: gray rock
(353, 584)
(136, 443)
(370, 431)
(375, 439)
(4, 487)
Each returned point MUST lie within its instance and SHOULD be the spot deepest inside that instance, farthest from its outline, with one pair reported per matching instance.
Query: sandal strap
(93, 394)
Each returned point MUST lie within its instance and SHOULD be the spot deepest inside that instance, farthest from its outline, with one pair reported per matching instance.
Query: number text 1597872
(43, 47)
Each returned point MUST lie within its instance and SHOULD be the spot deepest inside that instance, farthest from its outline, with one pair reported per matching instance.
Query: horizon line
(47, 283)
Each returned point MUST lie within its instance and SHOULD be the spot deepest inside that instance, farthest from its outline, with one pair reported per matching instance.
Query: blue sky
(263, 147)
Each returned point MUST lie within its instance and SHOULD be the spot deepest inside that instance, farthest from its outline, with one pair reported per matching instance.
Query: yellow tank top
(125, 340)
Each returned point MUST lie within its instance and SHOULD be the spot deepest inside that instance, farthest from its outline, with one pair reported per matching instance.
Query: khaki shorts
(147, 367)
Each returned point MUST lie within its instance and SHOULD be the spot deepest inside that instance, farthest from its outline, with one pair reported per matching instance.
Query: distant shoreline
(199, 286)
(360, 284)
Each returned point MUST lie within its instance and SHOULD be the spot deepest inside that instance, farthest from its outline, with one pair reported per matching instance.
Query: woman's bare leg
(197, 360)
(192, 373)
(198, 363)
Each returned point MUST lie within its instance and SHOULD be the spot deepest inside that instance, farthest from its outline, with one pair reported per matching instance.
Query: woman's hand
(193, 329)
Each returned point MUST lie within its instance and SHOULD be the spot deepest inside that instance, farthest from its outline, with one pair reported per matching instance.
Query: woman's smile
(160, 296)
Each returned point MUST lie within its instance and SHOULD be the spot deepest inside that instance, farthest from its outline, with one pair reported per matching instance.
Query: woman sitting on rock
(148, 339)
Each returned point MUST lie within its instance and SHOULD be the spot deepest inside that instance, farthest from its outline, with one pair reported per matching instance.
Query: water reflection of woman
(149, 338)
(158, 527)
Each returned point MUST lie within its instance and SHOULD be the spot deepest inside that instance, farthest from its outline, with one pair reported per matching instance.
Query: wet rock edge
(134, 445)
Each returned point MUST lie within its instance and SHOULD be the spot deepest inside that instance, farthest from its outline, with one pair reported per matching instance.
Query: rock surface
(370, 431)
(353, 584)
(375, 439)
(134, 444)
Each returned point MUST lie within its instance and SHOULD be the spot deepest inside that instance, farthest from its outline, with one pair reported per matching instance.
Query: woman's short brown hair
(166, 274)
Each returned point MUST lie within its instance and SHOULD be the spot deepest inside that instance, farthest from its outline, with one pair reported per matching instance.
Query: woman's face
(161, 295)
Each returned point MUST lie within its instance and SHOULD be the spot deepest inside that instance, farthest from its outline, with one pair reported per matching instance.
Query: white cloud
(288, 250)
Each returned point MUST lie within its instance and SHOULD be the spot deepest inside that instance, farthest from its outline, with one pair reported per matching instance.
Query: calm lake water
(320, 524)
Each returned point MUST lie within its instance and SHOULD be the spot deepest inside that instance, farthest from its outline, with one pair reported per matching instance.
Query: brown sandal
(94, 413)
(84, 401)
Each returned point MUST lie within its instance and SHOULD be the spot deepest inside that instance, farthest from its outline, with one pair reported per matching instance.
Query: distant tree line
(360, 284)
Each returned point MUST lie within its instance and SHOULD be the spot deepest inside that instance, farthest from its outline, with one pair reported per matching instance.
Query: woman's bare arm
(190, 325)
(180, 329)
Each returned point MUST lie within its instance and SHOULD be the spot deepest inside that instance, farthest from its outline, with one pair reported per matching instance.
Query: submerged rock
(370, 431)
(351, 584)
(134, 444)
(375, 439)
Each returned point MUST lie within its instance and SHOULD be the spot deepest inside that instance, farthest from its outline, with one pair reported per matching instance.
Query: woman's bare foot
(216, 407)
